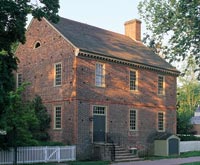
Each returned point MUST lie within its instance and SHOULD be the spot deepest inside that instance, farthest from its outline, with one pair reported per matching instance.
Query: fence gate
(53, 154)
(39, 154)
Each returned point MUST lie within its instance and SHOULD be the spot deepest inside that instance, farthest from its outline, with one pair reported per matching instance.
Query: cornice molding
(125, 62)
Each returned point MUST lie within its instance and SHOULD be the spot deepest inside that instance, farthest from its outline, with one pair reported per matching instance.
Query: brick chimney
(133, 29)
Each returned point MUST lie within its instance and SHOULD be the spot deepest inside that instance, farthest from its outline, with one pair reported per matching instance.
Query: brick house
(98, 86)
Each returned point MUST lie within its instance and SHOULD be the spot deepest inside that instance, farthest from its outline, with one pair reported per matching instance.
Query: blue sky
(106, 14)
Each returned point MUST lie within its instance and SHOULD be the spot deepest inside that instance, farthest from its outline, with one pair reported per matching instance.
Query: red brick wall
(37, 67)
(196, 128)
(119, 99)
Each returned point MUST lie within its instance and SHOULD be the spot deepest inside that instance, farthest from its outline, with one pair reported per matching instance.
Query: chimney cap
(131, 21)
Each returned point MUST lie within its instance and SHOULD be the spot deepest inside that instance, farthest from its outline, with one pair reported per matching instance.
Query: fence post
(45, 154)
(58, 154)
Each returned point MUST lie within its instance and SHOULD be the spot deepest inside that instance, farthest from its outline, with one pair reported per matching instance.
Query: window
(19, 79)
(58, 74)
(133, 80)
(99, 110)
(161, 122)
(37, 44)
(133, 120)
(100, 75)
(57, 117)
(161, 85)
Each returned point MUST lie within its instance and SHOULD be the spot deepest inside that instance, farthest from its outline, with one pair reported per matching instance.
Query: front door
(99, 124)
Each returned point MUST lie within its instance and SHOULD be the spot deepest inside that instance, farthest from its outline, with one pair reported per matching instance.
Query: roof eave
(109, 58)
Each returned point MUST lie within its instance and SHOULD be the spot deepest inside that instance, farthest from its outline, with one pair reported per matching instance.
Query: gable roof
(90, 39)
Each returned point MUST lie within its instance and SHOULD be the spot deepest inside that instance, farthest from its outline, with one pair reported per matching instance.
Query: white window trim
(163, 121)
(35, 44)
(55, 74)
(136, 123)
(136, 71)
(104, 75)
(17, 83)
(55, 117)
(163, 85)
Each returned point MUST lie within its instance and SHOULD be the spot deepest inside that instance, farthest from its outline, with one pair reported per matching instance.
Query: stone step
(128, 159)
(124, 155)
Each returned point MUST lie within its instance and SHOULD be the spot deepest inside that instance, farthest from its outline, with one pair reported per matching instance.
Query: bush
(189, 138)
(50, 143)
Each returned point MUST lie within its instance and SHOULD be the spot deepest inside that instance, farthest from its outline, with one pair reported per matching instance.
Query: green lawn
(194, 163)
(77, 163)
(190, 154)
(89, 163)
(183, 155)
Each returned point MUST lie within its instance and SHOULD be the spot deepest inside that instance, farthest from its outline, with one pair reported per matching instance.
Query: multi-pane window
(19, 79)
(98, 110)
(161, 85)
(161, 121)
(100, 75)
(57, 117)
(133, 120)
(133, 80)
(58, 74)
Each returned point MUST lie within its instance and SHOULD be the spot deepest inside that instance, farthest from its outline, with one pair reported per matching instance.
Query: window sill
(57, 129)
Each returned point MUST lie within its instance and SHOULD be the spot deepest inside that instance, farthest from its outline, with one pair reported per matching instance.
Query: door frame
(105, 114)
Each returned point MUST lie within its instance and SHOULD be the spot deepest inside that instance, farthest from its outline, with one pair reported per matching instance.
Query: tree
(13, 17)
(188, 98)
(40, 131)
(17, 120)
(174, 27)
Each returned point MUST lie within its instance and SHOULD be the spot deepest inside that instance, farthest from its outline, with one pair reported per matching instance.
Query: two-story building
(99, 86)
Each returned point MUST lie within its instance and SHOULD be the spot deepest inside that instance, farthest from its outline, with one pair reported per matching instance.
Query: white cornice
(125, 62)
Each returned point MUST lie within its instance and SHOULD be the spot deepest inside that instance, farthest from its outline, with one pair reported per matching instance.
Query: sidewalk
(176, 161)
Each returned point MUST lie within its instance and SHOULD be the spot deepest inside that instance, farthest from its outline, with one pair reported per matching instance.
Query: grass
(194, 163)
(77, 163)
(89, 163)
(182, 155)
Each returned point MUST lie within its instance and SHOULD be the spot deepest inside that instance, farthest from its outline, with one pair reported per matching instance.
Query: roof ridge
(100, 28)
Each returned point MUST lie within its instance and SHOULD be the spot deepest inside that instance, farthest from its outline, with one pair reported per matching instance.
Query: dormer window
(37, 44)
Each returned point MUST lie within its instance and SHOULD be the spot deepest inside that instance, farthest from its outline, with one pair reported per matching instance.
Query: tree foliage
(13, 17)
(25, 122)
(15, 115)
(174, 27)
(40, 131)
(18, 118)
(188, 98)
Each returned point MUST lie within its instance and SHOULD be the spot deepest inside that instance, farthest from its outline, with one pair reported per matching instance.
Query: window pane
(100, 75)
(99, 110)
(58, 117)
(19, 79)
(160, 85)
(160, 121)
(58, 74)
(133, 120)
(133, 80)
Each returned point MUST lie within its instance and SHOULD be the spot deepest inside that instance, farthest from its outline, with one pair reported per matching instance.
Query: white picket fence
(186, 146)
(39, 154)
